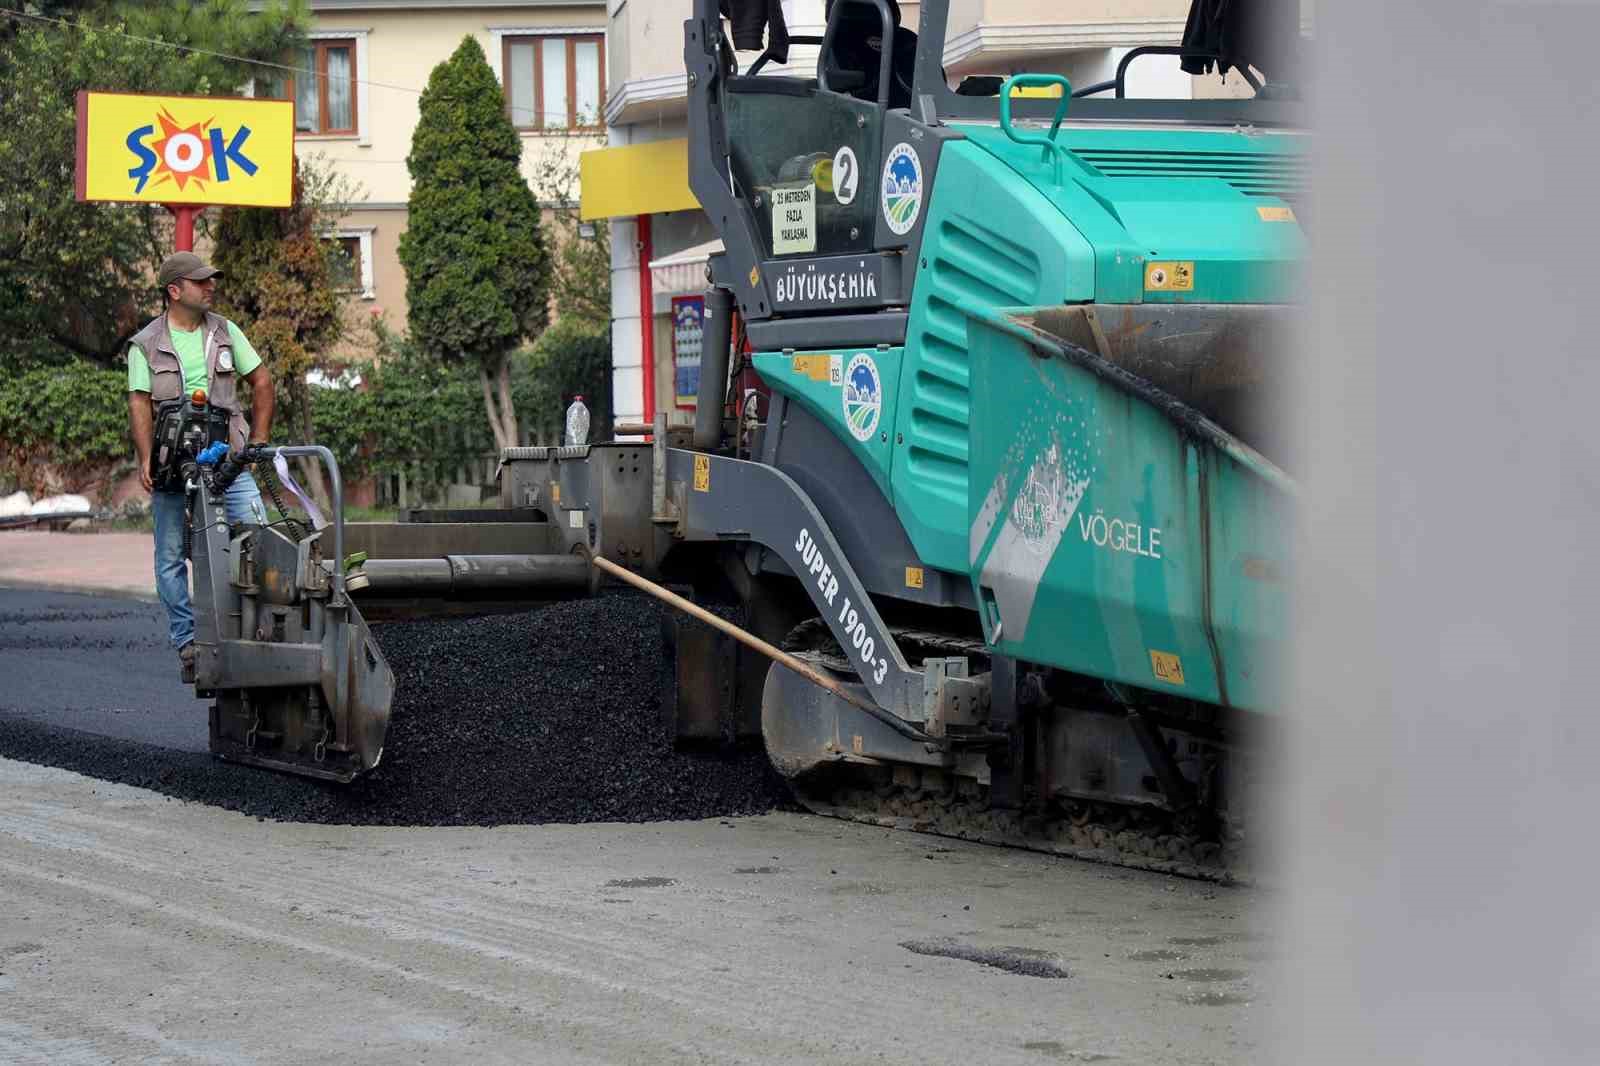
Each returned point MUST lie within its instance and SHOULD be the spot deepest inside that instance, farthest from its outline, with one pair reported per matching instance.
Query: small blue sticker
(863, 397)
(902, 188)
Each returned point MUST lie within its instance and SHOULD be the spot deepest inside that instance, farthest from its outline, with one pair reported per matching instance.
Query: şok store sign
(185, 149)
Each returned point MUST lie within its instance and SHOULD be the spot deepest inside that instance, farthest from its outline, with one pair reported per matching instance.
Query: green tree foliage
(572, 357)
(580, 266)
(406, 416)
(69, 421)
(76, 279)
(477, 276)
(277, 284)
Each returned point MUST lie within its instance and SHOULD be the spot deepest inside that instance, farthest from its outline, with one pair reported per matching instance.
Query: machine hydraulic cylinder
(713, 369)
(455, 575)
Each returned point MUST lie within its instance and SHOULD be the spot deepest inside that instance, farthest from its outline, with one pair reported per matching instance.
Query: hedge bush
(412, 412)
(71, 419)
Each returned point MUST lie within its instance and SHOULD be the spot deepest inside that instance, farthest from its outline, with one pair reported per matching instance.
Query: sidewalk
(117, 564)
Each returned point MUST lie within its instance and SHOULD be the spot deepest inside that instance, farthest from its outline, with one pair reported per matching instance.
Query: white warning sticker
(794, 219)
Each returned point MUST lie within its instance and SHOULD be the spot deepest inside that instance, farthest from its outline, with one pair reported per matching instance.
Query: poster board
(688, 333)
(142, 148)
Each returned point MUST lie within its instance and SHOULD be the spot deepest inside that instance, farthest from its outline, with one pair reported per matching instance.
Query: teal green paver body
(1101, 534)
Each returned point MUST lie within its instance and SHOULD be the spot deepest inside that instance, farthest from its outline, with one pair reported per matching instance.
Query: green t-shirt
(190, 346)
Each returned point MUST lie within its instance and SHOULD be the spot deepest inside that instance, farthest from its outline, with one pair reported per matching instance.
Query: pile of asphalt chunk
(554, 715)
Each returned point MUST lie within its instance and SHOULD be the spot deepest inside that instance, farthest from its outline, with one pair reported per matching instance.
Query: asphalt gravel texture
(552, 715)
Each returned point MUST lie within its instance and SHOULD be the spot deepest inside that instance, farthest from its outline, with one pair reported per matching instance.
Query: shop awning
(635, 179)
(682, 272)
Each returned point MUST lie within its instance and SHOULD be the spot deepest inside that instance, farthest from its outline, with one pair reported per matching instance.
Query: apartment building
(660, 237)
(372, 59)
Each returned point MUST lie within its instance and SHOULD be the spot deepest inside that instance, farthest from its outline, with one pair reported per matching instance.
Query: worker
(186, 348)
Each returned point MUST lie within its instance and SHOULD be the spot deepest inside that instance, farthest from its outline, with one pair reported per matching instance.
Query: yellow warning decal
(1169, 276)
(755, 277)
(1276, 214)
(555, 492)
(913, 577)
(702, 473)
(1167, 667)
(814, 367)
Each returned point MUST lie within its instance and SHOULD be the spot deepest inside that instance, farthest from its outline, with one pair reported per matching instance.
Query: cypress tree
(477, 274)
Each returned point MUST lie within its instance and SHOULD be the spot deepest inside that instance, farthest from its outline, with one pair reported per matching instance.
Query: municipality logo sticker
(902, 188)
(863, 397)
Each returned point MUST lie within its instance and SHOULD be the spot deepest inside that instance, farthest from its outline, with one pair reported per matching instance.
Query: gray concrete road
(138, 929)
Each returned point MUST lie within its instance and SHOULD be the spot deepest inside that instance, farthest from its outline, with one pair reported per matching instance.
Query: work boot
(186, 662)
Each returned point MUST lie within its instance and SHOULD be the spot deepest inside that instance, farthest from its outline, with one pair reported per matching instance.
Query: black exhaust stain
(1212, 998)
(1209, 974)
(1057, 1049)
(1027, 962)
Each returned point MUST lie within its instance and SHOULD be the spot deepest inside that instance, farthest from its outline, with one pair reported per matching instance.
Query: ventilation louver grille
(1252, 173)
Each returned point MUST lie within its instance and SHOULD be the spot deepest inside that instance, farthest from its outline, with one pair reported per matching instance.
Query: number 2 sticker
(846, 175)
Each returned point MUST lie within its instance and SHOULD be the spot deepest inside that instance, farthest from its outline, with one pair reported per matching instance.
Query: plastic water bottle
(577, 422)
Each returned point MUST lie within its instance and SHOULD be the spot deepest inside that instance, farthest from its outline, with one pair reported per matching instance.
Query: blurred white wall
(1442, 870)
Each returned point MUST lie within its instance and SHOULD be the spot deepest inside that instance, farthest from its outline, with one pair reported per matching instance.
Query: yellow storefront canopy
(635, 179)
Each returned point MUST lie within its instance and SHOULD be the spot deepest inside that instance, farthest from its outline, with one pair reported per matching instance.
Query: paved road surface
(98, 664)
(134, 927)
(118, 563)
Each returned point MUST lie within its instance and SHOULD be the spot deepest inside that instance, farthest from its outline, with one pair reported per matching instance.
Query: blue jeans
(243, 503)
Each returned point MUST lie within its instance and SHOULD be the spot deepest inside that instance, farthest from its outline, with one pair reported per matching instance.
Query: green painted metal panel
(990, 240)
(1109, 538)
(1184, 195)
(851, 390)
(1102, 534)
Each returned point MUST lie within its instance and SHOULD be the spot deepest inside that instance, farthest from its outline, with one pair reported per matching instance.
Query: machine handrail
(1052, 151)
(1120, 82)
(336, 490)
(255, 452)
(761, 60)
(886, 52)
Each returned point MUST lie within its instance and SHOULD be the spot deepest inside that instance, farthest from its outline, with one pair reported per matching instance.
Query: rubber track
(963, 813)
(966, 817)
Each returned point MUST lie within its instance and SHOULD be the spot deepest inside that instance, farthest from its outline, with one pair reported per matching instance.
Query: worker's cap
(185, 265)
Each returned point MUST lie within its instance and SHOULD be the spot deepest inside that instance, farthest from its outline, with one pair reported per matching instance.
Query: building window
(325, 95)
(553, 82)
(326, 103)
(352, 265)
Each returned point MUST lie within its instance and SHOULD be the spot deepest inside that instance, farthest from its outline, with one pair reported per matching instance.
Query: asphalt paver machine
(1014, 518)
(1017, 511)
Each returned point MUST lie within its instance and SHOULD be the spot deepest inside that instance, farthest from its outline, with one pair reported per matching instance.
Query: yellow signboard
(185, 149)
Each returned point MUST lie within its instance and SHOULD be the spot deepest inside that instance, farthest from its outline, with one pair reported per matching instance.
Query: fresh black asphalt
(552, 715)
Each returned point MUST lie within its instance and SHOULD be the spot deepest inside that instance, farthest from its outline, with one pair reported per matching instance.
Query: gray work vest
(166, 370)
